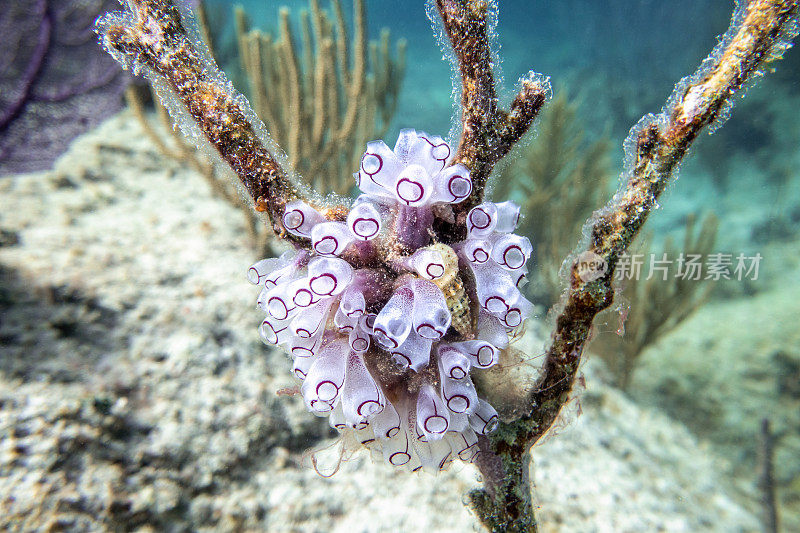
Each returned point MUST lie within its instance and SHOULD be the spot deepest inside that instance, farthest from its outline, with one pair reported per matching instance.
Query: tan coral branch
(487, 132)
(155, 37)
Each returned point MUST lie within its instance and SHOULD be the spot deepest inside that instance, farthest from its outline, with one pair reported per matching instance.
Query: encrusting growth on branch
(487, 132)
(154, 37)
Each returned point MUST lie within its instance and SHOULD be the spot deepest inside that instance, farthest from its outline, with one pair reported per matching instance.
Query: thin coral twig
(759, 32)
(488, 133)
(153, 36)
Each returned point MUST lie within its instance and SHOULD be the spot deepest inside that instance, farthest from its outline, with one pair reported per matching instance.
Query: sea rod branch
(760, 31)
(488, 132)
(152, 36)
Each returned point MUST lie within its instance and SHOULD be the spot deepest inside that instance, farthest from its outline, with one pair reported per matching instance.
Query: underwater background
(135, 393)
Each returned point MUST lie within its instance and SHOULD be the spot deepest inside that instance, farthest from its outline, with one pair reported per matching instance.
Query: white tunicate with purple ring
(353, 303)
(331, 238)
(364, 221)
(477, 251)
(359, 340)
(414, 353)
(361, 396)
(484, 419)
(299, 218)
(452, 185)
(386, 424)
(273, 331)
(378, 170)
(329, 276)
(511, 251)
(325, 378)
(481, 354)
(481, 220)
(307, 324)
(433, 417)
(452, 362)
(430, 316)
(414, 186)
(257, 273)
(459, 394)
(427, 263)
(393, 323)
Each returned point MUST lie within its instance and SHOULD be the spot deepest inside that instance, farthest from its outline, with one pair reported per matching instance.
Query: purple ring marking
(281, 308)
(480, 255)
(272, 335)
(488, 220)
(303, 333)
(399, 458)
(398, 358)
(257, 275)
(493, 300)
(391, 432)
(482, 352)
(420, 192)
(292, 212)
(368, 402)
(321, 279)
(308, 298)
(323, 246)
(360, 344)
(438, 270)
(315, 405)
(442, 160)
(358, 227)
(334, 393)
(302, 351)
(422, 331)
(513, 318)
(457, 370)
(433, 419)
(382, 336)
(441, 156)
(512, 248)
(459, 400)
(459, 178)
(380, 163)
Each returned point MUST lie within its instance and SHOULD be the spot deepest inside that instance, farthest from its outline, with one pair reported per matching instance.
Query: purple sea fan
(376, 317)
(55, 82)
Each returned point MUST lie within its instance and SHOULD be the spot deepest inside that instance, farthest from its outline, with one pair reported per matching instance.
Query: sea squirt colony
(384, 347)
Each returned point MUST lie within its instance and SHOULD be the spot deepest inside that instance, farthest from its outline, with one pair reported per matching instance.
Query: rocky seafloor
(136, 395)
